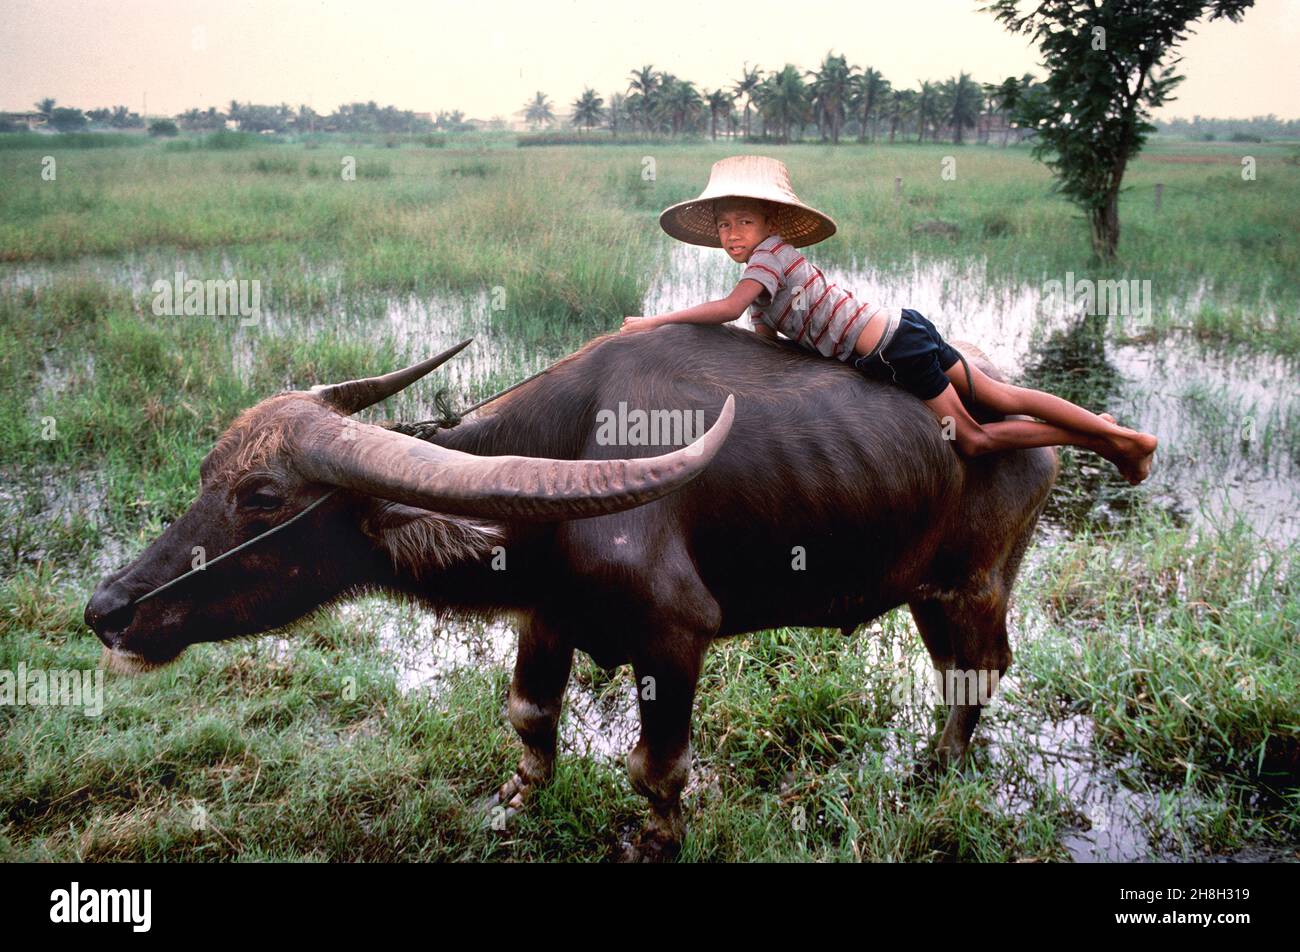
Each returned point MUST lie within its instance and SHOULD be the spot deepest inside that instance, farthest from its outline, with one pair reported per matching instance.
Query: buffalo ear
(422, 542)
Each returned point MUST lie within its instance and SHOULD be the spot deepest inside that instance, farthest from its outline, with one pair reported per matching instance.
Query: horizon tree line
(254, 117)
(790, 104)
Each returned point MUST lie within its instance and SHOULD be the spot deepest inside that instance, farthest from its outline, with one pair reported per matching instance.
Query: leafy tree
(870, 90)
(733, 120)
(962, 102)
(124, 118)
(901, 107)
(643, 85)
(1005, 98)
(927, 108)
(200, 119)
(718, 102)
(1092, 115)
(307, 118)
(67, 120)
(783, 100)
(617, 112)
(745, 86)
(163, 127)
(830, 92)
(537, 111)
(588, 109)
(683, 103)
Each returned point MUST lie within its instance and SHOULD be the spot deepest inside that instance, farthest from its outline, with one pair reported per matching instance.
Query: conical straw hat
(747, 176)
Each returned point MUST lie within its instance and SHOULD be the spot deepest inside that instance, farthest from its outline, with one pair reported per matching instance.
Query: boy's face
(741, 228)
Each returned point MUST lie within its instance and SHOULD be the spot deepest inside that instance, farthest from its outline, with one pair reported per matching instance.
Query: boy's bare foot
(1133, 451)
(1136, 454)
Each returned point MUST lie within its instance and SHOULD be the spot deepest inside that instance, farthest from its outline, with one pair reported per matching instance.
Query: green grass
(411, 221)
(797, 734)
(570, 234)
(1175, 644)
(1185, 649)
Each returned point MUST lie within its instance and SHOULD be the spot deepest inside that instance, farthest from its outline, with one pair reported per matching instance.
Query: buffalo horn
(390, 465)
(354, 395)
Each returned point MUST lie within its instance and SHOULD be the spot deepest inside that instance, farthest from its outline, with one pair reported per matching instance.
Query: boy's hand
(636, 323)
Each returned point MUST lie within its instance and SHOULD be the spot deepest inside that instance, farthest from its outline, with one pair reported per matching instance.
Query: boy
(749, 208)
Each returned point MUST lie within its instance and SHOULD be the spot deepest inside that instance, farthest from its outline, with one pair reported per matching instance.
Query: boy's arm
(711, 312)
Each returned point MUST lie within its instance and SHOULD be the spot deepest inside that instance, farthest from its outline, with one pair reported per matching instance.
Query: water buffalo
(828, 500)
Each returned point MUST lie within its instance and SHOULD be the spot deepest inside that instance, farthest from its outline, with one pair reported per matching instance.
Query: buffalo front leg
(660, 763)
(536, 697)
(966, 634)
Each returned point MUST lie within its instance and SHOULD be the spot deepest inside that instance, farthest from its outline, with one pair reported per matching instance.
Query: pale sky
(486, 57)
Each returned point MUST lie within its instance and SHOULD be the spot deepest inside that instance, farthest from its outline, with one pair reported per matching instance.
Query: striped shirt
(798, 301)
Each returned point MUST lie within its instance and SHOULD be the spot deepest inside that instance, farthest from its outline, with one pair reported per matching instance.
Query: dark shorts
(915, 358)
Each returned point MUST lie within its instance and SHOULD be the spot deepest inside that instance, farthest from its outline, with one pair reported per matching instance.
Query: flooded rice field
(1228, 420)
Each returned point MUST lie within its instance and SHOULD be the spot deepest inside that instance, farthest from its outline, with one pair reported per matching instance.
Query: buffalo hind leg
(536, 696)
(659, 764)
(966, 635)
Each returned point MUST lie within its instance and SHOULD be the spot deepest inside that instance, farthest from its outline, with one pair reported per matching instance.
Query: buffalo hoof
(932, 765)
(508, 800)
(648, 848)
(659, 841)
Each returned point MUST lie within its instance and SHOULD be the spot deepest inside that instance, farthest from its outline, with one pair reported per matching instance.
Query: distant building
(28, 120)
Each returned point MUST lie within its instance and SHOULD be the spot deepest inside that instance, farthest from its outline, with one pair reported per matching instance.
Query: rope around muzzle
(422, 430)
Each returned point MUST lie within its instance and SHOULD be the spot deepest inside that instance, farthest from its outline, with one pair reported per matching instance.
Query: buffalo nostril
(108, 613)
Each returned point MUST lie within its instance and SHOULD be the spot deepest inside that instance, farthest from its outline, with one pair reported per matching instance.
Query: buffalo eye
(265, 499)
(262, 497)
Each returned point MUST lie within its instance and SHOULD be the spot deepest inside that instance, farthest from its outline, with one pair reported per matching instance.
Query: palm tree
(587, 109)
(831, 89)
(902, 104)
(745, 86)
(617, 110)
(644, 82)
(661, 108)
(870, 90)
(537, 111)
(236, 113)
(927, 103)
(964, 100)
(719, 102)
(46, 108)
(783, 100)
(681, 102)
(1008, 95)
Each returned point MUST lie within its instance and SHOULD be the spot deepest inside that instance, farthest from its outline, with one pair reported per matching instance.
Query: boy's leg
(1008, 398)
(1066, 424)
(976, 439)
